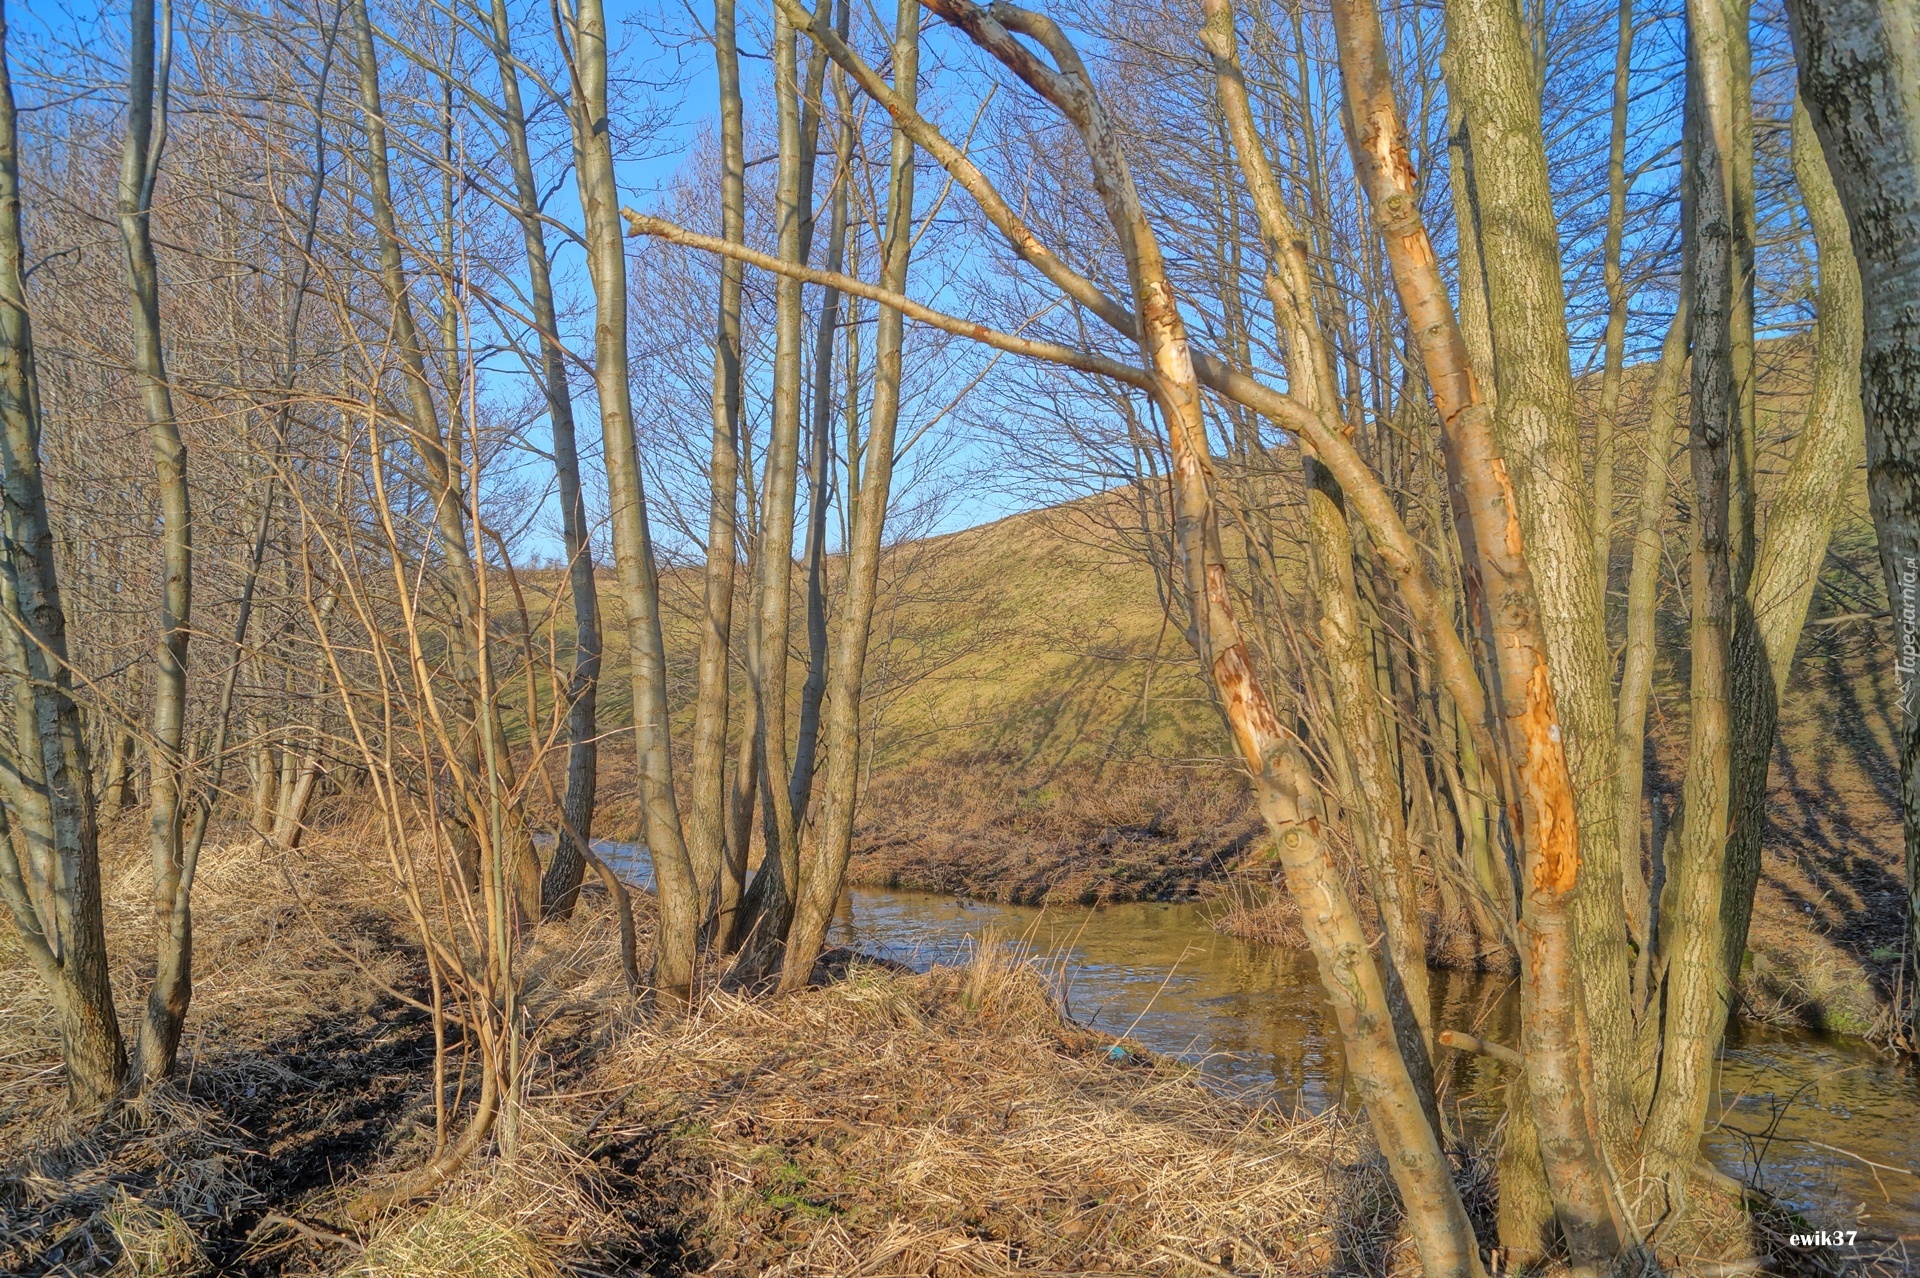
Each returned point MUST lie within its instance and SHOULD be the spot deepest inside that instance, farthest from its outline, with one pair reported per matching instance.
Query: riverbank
(951, 1123)
(947, 1123)
(1075, 834)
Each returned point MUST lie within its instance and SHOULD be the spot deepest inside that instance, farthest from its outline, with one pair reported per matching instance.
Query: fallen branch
(1460, 1042)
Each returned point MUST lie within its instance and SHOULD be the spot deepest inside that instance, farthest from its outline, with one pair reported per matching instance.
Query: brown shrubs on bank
(985, 826)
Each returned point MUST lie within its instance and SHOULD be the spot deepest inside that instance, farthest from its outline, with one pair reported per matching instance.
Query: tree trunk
(1860, 80)
(825, 869)
(1500, 585)
(172, 989)
(709, 847)
(1697, 994)
(1793, 545)
(477, 743)
(560, 887)
(1492, 71)
(1636, 668)
(46, 807)
(674, 947)
(768, 907)
(1380, 820)
(820, 457)
(1606, 426)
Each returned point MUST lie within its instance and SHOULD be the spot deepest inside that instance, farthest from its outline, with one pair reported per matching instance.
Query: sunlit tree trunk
(1492, 71)
(820, 456)
(767, 912)
(824, 870)
(1501, 594)
(1381, 821)
(1860, 80)
(172, 990)
(46, 808)
(708, 844)
(627, 502)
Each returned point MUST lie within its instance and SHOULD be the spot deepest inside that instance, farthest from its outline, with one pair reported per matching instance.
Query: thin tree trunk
(1860, 80)
(680, 908)
(113, 788)
(560, 887)
(824, 871)
(1696, 989)
(768, 907)
(820, 455)
(1606, 425)
(1799, 525)
(1380, 820)
(46, 807)
(478, 739)
(172, 989)
(1636, 668)
(709, 846)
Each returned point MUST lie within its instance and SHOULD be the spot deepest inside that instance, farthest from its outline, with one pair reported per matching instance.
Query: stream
(1797, 1111)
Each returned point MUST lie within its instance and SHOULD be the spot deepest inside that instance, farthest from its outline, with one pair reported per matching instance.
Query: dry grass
(452, 1240)
(953, 1123)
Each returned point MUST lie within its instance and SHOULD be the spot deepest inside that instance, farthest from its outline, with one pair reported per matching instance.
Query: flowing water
(1802, 1115)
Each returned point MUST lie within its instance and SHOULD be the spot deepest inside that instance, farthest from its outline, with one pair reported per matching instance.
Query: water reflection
(1800, 1108)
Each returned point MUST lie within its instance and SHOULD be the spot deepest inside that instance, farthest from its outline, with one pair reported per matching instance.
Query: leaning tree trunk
(172, 990)
(674, 947)
(1382, 831)
(1441, 1230)
(46, 808)
(1860, 80)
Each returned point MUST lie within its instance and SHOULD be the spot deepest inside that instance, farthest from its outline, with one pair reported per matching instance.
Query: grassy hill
(1037, 728)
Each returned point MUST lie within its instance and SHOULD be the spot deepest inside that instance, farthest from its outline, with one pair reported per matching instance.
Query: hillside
(1037, 730)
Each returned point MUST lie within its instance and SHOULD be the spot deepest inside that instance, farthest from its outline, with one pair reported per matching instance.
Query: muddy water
(1797, 1110)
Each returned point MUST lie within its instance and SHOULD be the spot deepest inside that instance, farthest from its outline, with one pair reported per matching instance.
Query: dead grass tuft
(452, 1240)
(953, 1123)
(154, 1242)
